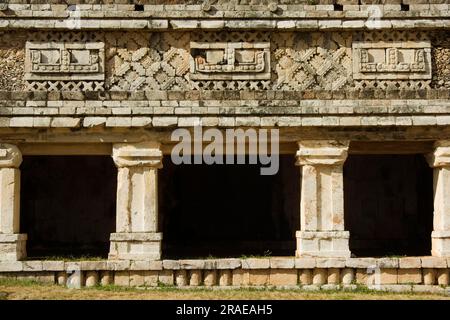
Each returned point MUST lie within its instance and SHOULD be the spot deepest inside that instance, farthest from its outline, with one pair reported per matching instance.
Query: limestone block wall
(289, 61)
(115, 78)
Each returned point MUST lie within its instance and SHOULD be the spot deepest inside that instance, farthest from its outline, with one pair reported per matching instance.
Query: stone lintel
(322, 152)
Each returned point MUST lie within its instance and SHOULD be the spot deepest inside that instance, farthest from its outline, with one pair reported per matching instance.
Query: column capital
(440, 157)
(322, 152)
(142, 154)
(10, 156)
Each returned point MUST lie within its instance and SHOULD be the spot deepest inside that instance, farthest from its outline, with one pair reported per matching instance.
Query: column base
(440, 243)
(135, 246)
(13, 246)
(327, 244)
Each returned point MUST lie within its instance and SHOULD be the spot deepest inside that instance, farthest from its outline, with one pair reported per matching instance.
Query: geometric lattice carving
(12, 57)
(441, 60)
(312, 60)
(230, 61)
(148, 61)
(64, 61)
(65, 85)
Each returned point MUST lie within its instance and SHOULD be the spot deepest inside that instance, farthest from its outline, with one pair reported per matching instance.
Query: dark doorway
(388, 204)
(68, 204)
(228, 210)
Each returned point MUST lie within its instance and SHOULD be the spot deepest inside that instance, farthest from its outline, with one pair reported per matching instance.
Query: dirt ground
(20, 290)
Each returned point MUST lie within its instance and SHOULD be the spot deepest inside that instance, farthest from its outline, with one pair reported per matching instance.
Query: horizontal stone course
(182, 97)
(228, 264)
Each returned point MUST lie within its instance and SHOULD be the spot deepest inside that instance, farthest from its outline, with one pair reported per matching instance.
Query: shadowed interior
(388, 204)
(228, 210)
(68, 204)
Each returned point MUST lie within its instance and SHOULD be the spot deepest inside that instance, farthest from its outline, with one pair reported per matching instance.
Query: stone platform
(417, 274)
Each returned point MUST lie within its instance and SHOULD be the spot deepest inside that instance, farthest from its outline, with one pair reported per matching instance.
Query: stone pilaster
(137, 236)
(439, 160)
(322, 199)
(12, 243)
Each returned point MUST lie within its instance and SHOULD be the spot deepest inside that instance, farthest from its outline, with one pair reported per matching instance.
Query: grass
(28, 289)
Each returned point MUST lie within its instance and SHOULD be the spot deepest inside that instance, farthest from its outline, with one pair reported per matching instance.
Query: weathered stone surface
(333, 276)
(32, 266)
(283, 277)
(429, 276)
(361, 262)
(258, 277)
(388, 276)
(187, 264)
(122, 278)
(330, 263)
(432, 262)
(282, 263)
(442, 277)
(228, 263)
(117, 265)
(171, 264)
(181, 278)
(347, 276)
(151, 278)
(137, 278)
(409, 276)
(388, 263)
(53, 265)
(61, 278)
(166, 277)
(91, 279)
(106, 278)
(410, 263)
(255, 263)
(319, 276)
(209, 277)
(305, 277)
(195, 278)
(305, 263)
(147, 265)
(225, 278)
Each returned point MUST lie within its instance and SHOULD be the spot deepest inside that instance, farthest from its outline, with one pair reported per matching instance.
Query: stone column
(137, 236)
(12, 243)
(322, 199)
(440, 161)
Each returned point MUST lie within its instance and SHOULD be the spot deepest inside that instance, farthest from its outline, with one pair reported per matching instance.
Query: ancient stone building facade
(91, 91)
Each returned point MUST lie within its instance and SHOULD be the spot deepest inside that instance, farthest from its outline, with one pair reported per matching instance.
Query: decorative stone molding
(441, 155)
(137, 236)
(322, 152)
(391, 60)
(64, 61)
(10, 156)
(322, 199)
(137, 155)
(12, 243)
(230, 61)
(440, 161)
